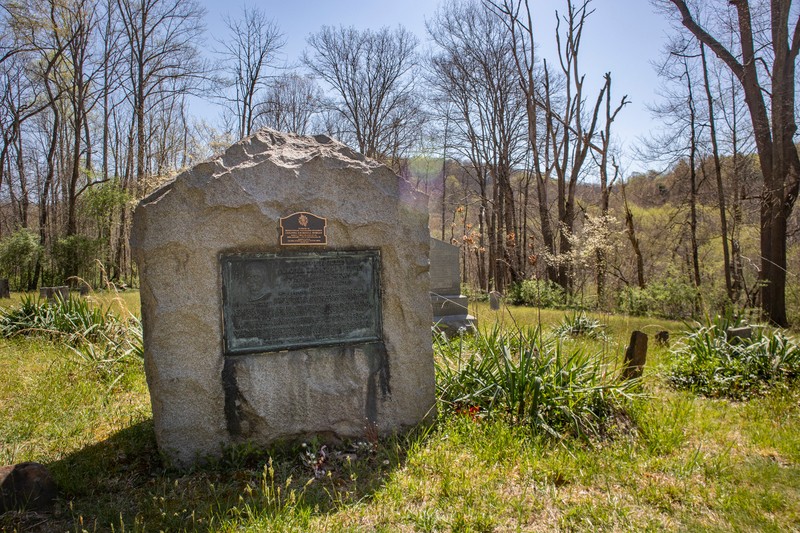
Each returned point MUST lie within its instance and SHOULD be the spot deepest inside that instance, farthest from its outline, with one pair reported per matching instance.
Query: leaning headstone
(27, 487)
(53, 293)
(495, 299)
(450, 307)
(635, 356)
(284, 290)
(5, 290)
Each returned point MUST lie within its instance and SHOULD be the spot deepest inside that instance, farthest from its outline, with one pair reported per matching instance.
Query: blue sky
(621, 36)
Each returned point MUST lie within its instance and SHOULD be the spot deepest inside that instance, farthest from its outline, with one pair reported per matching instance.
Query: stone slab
(455, 324)
(449, 305)
(204, 400)
(445, 269)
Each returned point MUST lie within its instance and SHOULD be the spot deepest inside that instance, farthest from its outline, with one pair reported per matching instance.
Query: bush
(75, 256)
(537, 293)
(668, 298)
(524, 379)
(18, 254)
(98, 338)
(580, 325)
(635, 301)
(711, 363)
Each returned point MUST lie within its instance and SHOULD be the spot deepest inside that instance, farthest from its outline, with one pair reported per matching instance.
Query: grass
(525, 378)
(685, 462)
(712, 363)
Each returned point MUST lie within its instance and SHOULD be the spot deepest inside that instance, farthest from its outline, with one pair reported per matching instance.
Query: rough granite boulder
(204, 400)
(26, 486)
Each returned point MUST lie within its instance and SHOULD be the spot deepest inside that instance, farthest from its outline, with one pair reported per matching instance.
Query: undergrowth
(688, 463)
(712, 362)
(580, 325)
(523, 378)
(96, 336)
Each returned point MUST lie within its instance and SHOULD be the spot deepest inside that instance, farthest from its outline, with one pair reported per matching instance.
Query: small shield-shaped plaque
(304, 229)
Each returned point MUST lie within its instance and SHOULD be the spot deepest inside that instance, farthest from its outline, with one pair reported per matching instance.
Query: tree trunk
(723, 218)
(778, 157)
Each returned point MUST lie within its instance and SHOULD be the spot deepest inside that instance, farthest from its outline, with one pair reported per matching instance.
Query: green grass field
(677, 462)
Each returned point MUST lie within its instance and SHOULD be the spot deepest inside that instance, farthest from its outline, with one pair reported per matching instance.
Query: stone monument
(450, 307)
(284, 290)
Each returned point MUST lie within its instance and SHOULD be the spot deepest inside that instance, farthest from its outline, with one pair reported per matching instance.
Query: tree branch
(702, 35)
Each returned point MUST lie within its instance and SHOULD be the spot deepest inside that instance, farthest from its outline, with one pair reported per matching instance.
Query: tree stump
(5, 291)
(635, 356)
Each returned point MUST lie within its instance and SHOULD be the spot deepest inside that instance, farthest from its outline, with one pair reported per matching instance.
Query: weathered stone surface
(51, 293)
(26, 486)
(450, 309)
(635, 356)
(5, 291)
(445, 268)
(204, 400)
(742, 332)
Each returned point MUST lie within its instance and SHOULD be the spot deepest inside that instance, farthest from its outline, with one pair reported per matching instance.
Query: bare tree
(78, 24)
(370, 73)
(768, 77)
(18, 104)
(556, 102)
(603, 159)
(37, 25)
(251, 48)
(733, 111)
(475, 73)
(164, 62)
(290, 103)
(680, 144)
(630, 231)
(712, 130)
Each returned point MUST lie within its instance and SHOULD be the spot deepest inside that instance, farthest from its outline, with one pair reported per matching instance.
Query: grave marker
(284, 291)
(450, 307)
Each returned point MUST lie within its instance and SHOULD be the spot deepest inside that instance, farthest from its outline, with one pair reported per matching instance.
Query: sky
(621, 36)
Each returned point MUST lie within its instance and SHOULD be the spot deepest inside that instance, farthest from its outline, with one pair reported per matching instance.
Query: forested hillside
(517, 150)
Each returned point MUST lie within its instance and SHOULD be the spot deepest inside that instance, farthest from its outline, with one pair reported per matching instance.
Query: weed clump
(525, 379)
(97, 337)
(713, 362)
(580, 325)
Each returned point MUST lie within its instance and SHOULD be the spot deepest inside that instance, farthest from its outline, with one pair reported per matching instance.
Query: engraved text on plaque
(287, 301)
(303, 229)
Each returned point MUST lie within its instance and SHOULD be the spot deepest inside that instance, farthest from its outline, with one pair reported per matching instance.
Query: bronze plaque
(304, 229)
(275, 302)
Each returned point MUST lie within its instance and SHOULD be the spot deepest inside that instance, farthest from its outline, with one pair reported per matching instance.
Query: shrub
(18, 254)
(98, 338)
(524, 379)
(711, 363)
(635, 301)
(668, 298)
(537, 293)
(580, 325)
(75, 256)
(473, 294)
